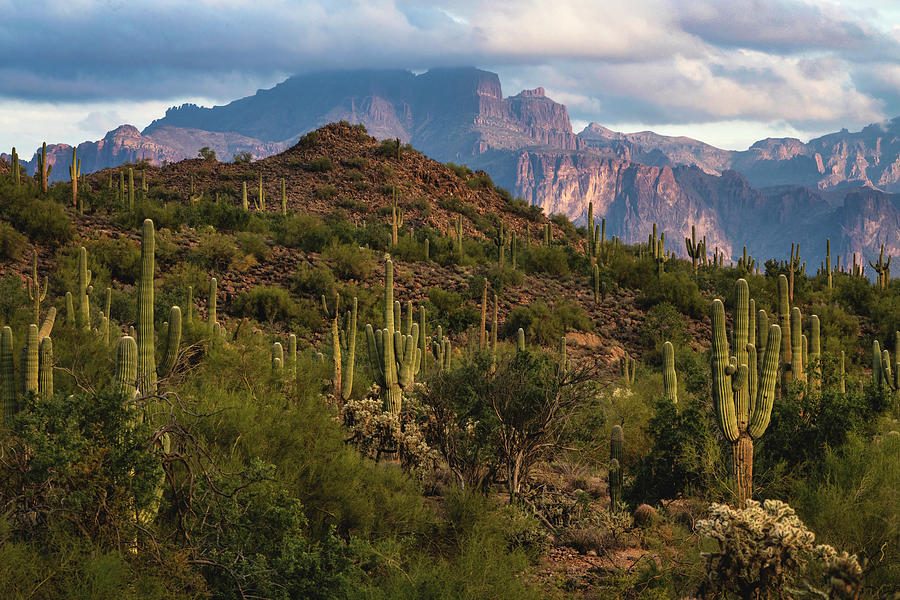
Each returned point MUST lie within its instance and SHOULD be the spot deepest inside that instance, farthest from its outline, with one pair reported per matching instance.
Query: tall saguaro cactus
(395, 357)
(36, 293)
(343, 375)
(147, 369)
(83, 312)
(695, 249)
(784, 317)
(743, 400)
(43, 169)
(670, 378)
(883, 268)
(74, 174)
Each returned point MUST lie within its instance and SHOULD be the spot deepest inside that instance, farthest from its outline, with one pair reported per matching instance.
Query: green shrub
(320, 164)
(451, 310)
(309, 140)
(480, 181)
(254, 244)
(274, 305)
(550, 260)
(349, 261)
(12, 243)
(462, 171)
(303, 231)
(356, 162)
(326, 192)
(215, 251)
(43, 221)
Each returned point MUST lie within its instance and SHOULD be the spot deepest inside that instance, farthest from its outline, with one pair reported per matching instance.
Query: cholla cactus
(763, 549)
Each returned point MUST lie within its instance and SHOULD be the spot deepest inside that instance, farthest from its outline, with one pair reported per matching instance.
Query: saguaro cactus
(83, 314)
(828, 263)
(395, 357)
(670, 379)
(615, 484)
(784, 317)
(36, 293)
(74, 174)
(125, 380)
(695, 249)
(16, 170)
(343, 376)
(43, 169)
(616, 443)
(8, 394)
(883, 268)
(626, 369)
(742, 400)
(147, 369)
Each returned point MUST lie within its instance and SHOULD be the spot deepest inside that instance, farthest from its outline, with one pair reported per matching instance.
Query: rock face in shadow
(776, 192)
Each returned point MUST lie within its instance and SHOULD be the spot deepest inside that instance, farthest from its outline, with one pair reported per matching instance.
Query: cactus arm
(126, 367)
(765, 395)
(277, 356)
(173, 341)
(740, 342)
(347, 381)
(375, 359)
(796, 344)
(721, 371)
(45, 369)
(8, 394)
(47, 325)
(30, 361)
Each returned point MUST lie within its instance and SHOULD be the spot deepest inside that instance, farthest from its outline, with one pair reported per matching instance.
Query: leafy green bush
(349, 261)
(12, 243)
(551, 260)
(320, 164)
(462, 171)
(313, 281)
(326, 192)
(306, 232)
(450, 309)
(253, 244)
(274, 305)
(215, 251)
(43, 221)
(545, 326)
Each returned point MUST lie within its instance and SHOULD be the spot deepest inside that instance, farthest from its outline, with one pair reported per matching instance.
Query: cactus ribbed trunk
(8, 395)
(742, 467)
(146, 370)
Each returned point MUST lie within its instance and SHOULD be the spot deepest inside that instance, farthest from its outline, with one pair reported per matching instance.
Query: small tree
(242, 158)
(207, 154)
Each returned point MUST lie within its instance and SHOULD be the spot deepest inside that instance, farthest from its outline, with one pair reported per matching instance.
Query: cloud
(813, 66)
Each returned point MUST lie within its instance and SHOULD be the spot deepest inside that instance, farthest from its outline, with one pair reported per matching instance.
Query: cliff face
(166, 144)
(776, 192)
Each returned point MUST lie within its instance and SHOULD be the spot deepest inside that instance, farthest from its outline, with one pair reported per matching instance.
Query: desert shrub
(41, 220)
(12, 297)
(683, 455)
(273, 304)
(215, 251)
(12, 243)
(253, 244)
(313, 281)
(222, 216)
(319, 164)
(501, 278)
(848, 499)
(349, 261)
(186, 274)
(462, 171)
(326, 192)
(807, 421)
(391, 148)
(565, 225)
(356, 162)
(306, 232)
(83, 457)
(663, 323)
(480, 181)
(308, 140)
(544, 325)
(550, 260)
(677, 289)
(451, 310)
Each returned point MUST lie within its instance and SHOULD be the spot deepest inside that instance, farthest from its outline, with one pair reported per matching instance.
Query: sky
(728, 72)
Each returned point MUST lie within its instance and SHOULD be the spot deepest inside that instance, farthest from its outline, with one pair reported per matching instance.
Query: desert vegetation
(348, 371)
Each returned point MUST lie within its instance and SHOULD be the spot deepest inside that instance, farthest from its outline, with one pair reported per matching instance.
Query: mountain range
(844, 185)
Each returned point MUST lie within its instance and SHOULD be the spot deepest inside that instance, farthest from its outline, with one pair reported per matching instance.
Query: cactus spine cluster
(883, 268)
(147, 369)
(670, 378)
(395, 357)
(742, 394)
